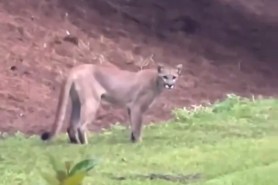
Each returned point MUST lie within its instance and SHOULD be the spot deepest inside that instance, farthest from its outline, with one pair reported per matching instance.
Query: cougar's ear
(179, 68)
(160, 68)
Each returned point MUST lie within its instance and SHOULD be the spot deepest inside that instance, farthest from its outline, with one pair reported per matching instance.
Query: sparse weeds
(233, 108)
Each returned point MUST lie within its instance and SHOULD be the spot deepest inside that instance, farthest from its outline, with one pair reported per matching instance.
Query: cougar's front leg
(135, 117)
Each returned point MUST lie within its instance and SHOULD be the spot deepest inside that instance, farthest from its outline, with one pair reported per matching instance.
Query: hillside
(225, 46)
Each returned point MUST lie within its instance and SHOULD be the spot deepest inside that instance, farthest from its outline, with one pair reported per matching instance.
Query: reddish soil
(225, 47)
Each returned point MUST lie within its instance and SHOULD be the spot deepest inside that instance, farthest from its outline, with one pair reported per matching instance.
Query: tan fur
(87, 85)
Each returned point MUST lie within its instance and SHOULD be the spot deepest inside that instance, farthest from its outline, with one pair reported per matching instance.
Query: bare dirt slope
(225, 46)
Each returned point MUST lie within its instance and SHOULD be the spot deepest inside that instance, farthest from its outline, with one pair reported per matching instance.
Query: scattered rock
(13, 68)
(72, 39)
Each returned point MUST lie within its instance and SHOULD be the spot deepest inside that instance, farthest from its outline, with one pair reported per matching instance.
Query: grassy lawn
(233, 142)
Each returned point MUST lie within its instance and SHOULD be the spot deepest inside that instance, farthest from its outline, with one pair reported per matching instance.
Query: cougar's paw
(134, 139)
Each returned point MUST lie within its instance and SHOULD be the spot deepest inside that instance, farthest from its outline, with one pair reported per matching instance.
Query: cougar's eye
(165, 77)
(174, 77)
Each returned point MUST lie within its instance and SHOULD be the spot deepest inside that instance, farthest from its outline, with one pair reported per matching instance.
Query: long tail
(61, 110)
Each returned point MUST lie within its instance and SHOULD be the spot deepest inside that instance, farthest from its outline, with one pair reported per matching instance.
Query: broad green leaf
(75, 179)
(84, 165)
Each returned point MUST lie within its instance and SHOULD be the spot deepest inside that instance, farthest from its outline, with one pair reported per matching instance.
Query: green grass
(233, 142)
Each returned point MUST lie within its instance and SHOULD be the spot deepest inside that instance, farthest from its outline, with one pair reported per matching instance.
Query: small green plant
(67, 173)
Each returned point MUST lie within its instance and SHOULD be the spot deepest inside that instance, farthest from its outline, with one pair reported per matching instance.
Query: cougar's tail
(61, 110)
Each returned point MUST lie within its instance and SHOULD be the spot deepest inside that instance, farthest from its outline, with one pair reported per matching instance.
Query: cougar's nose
(169, 86)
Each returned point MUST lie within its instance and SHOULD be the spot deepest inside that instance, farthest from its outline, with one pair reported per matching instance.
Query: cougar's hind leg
(74, 116)
(88, 115)
(74, 121)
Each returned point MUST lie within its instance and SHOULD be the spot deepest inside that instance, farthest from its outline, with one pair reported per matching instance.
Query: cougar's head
(168, 75)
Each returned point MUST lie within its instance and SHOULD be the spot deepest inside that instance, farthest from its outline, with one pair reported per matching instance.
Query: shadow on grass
(189, 178)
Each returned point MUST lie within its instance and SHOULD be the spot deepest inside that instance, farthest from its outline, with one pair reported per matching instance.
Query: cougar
(88, 85)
